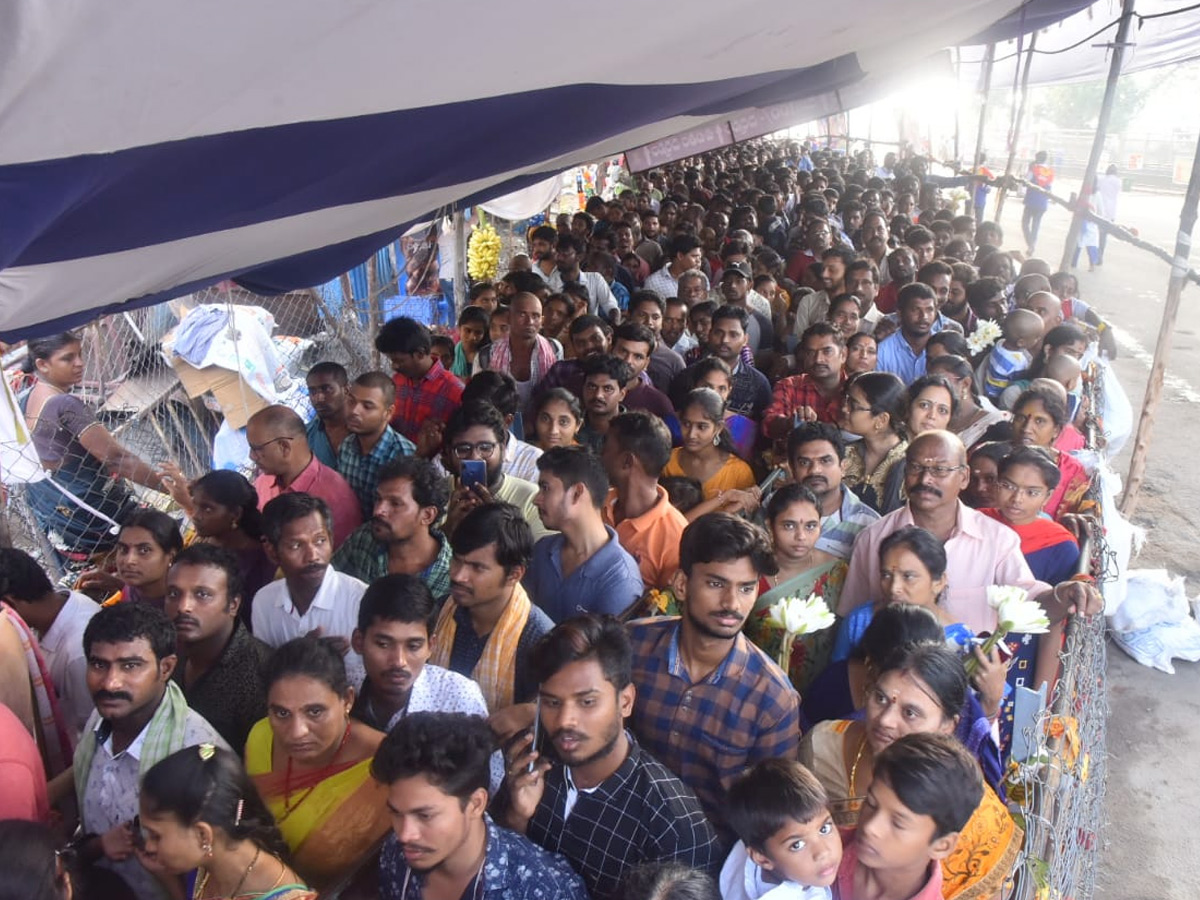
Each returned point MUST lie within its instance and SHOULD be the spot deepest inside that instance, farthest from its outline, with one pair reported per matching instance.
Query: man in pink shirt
(279, 446)
(979, 551)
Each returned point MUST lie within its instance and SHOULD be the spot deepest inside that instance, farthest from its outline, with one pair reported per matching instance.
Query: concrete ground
(1149, 843)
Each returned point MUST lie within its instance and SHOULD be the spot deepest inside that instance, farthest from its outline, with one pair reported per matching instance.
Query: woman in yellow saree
(311, 763)
(920, 689)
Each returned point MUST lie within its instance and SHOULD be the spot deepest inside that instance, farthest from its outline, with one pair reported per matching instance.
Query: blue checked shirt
(362, 472)
(840, 528)
(708, 733)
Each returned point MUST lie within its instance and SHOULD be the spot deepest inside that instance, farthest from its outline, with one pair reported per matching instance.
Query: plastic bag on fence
(1117, 413)
(1122, 538)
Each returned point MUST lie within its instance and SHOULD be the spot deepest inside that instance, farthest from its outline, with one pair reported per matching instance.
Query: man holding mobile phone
(473, 453)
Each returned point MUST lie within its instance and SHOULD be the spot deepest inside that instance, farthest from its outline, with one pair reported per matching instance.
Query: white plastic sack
(1153, 597)
(1158, 645)
(1118, 413)
(1122, 537)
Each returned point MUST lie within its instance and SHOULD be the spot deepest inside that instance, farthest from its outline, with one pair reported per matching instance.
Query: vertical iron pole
(1110, 95)
(1162, 350)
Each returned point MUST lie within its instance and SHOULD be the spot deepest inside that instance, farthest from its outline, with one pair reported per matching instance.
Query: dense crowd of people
(499, 623)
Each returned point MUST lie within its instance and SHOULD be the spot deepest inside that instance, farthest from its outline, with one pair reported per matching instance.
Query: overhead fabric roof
(1156, 40)
(152, 147)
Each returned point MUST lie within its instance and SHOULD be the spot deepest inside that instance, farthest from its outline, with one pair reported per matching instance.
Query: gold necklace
(862, 745)
(202, 882)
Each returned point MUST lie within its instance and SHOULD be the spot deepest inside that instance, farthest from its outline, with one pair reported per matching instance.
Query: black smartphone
(537, 729)
(474, 471)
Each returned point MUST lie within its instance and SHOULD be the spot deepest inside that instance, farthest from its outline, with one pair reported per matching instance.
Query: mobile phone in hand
(537, 727)
(474, 472)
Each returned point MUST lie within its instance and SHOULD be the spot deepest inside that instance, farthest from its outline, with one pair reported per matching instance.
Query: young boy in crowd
(924, 790)
(789, 848)
(1013, 353)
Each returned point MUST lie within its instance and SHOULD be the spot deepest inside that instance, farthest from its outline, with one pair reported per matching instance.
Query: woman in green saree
(794, 522)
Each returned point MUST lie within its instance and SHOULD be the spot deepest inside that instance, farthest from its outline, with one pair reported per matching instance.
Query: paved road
(1150, 847)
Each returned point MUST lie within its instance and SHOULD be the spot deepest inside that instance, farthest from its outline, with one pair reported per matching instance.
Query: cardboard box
(238, 401)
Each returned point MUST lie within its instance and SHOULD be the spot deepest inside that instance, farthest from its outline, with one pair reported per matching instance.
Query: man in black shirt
(220, 662)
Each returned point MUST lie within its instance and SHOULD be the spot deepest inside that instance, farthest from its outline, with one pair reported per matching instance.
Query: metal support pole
(1162, 350)
(957, 110)
(988, 62)
(461, 279)
(1015, 136)
(1110, 94)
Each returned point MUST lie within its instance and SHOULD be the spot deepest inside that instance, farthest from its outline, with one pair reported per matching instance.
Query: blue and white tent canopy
(151, 147)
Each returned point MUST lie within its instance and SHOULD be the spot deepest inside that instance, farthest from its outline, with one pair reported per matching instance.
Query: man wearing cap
(736, 288)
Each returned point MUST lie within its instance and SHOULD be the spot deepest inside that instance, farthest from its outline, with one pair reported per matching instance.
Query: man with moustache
(488, 626)
(592, 793)
(220, 662)
(141, 717)
(401, 536)
(395, 623)
(816, 394)
(710, 703)
(541, 247)
(311, 596)
(435, 767)
(587, 336)
(979, 550)
(816, 453)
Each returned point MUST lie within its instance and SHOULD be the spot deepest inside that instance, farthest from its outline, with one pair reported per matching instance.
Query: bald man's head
(1064, 369)
(1046, 305)
(1035, 266)
(1029, 284)
(935, 472)
(277, 421)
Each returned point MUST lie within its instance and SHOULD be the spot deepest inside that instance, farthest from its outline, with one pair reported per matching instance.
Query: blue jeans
(1031, 219)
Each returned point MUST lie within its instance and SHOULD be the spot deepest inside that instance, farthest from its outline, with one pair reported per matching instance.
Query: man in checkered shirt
(710, 704)
(592, 794)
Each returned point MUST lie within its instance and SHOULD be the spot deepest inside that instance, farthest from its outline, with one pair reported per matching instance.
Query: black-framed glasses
(852, 407)
(256, 449)
(916, 470)
(466, 450)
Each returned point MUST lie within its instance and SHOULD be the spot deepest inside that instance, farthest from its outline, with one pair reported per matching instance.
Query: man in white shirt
(395, 619)
(59, 618)
(312, 595)
(1108, 186)
(570, 250)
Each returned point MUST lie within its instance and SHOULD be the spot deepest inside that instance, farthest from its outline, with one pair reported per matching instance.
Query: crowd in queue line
(497, 624)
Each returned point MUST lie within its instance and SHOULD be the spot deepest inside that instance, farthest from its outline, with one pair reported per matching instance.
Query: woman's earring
(717, 441)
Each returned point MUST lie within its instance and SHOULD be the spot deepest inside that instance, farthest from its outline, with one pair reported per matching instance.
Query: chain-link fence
(160, 408)
(1058, 787)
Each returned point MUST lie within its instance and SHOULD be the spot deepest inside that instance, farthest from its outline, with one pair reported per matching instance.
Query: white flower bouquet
(795, 617)
(1015, 611)
(985, 334)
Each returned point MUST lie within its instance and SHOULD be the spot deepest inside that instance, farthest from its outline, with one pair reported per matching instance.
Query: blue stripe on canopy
(90, 205)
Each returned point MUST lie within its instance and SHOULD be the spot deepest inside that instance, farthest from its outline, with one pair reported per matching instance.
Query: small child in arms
(789, 847)
(1013, 353)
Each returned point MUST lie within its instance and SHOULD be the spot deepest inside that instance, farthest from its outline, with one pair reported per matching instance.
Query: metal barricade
(1059, 791)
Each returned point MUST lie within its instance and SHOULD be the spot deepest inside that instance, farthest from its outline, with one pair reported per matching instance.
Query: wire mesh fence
(138, 386)
(1058, 787)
